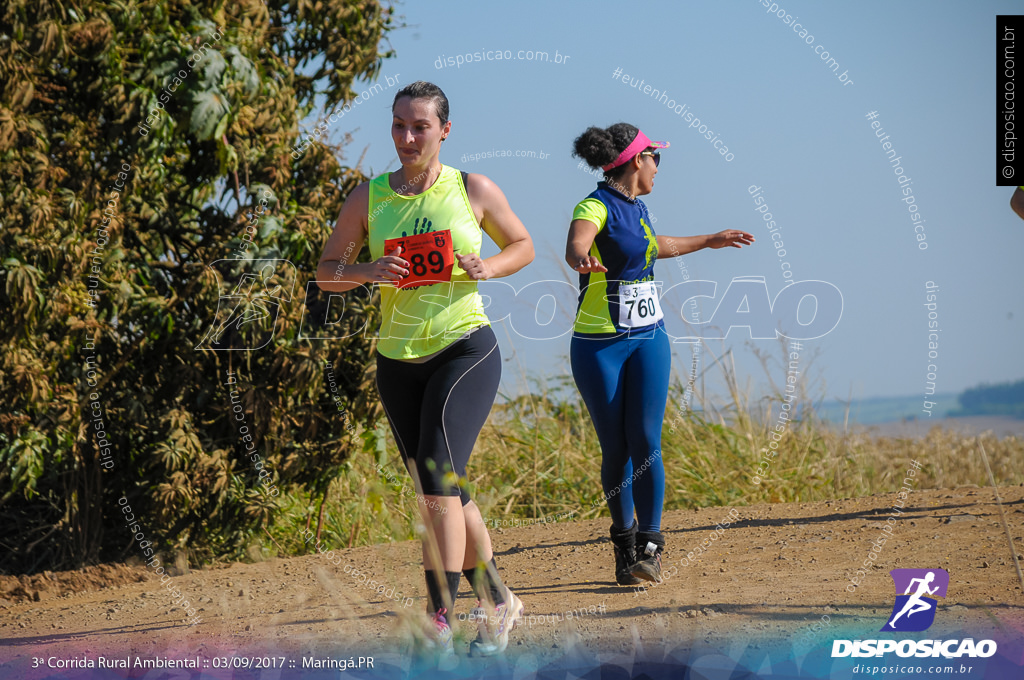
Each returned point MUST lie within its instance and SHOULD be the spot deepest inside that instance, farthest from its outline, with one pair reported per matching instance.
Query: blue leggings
(624, 383)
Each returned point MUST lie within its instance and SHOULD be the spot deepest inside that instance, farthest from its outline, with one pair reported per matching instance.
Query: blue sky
(793, 128)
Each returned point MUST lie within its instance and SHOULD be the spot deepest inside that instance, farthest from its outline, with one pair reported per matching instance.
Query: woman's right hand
(589, 265)
(388, 268)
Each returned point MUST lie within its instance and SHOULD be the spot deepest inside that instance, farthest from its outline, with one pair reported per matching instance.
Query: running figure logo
(252, 293)
(652, 244)
(916, 611)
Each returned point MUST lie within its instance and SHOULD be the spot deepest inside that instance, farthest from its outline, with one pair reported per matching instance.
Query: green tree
(1004, 399)
(137, 140)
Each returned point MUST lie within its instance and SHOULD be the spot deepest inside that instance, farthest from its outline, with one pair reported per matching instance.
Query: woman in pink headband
(620, 352)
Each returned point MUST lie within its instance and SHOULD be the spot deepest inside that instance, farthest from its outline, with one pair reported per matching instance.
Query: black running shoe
(624, 544)
(649, 546)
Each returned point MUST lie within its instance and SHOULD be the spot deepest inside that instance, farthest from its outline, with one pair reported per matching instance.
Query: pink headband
(638, 144)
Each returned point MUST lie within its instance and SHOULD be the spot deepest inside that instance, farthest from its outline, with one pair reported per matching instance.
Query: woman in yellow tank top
(438, 363)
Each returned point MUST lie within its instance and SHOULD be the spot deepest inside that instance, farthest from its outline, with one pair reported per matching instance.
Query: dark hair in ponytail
(421, 89)
(599, 147)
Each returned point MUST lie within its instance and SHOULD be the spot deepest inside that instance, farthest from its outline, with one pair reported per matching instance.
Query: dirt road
(764, 583)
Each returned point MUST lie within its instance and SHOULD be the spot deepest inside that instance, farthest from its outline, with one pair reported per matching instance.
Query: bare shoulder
(481, 186)
(360, 195)
(352, 216)
(356, 205)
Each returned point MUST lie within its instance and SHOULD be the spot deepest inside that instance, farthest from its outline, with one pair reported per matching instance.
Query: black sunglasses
(656, 155)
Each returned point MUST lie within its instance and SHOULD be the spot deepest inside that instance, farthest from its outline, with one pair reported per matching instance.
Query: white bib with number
(639, 305)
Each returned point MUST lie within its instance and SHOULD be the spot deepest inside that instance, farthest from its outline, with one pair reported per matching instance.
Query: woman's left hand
(730, 237)
(475, 268)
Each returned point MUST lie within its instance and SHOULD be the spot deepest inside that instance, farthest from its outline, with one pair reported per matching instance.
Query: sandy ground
(777, 571)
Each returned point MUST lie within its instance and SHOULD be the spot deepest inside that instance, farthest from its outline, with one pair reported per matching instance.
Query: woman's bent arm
(503, 226)
(577, 247)
(338, 270)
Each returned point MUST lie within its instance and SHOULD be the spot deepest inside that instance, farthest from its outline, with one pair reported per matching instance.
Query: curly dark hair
(600, 146)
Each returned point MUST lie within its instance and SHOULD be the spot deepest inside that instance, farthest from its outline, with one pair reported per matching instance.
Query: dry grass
(538, 456)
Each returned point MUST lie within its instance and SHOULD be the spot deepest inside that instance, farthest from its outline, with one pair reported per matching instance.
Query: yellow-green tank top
(424, 320)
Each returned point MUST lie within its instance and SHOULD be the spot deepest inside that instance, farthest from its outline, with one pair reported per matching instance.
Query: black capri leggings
(436, 409)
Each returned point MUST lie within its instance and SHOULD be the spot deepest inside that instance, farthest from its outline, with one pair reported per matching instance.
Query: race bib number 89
(430, 257)
(638, 305)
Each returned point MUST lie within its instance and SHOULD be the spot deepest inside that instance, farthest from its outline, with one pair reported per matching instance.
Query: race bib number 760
(638, 304)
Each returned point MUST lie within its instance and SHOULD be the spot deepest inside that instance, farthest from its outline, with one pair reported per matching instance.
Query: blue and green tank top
(626, 245)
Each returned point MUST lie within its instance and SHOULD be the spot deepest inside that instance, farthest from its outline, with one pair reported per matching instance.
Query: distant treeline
(1004, 399)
